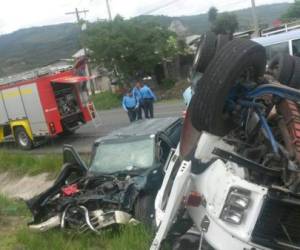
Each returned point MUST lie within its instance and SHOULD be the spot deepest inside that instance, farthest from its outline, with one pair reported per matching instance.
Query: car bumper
(97, 220)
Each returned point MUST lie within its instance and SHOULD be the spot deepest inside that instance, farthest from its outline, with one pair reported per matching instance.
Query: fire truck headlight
(236, 204)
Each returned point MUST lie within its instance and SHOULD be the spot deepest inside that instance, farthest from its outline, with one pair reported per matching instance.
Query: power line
(160, 7)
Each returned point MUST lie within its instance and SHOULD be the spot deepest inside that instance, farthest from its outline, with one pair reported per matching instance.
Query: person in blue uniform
(130, 105)
(136, 92)
(148, 100)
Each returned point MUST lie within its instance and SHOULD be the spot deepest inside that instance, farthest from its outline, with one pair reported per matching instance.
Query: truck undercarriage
(241, 178)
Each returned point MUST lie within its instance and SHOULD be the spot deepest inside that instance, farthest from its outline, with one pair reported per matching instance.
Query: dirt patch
(25, 187)
(173, 93)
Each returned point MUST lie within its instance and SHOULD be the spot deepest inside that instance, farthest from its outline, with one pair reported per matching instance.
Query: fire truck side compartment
(13, 104)
(3, 112)
(34, 109)
(68, 104)
(23, 102)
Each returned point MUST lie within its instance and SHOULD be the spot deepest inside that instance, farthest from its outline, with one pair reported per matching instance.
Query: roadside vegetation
(106, 100)
(9, 207)
(14, 234)
(20, 164)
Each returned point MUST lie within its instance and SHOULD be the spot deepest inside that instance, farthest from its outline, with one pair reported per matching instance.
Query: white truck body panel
(213, 185)
(179, 190)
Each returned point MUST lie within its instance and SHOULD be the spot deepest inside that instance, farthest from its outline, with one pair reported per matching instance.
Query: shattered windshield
(125, 155)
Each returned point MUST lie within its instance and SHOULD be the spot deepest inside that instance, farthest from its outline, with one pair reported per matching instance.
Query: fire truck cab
(43, 106)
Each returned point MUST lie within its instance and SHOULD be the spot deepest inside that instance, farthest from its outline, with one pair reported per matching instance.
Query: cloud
(17, 14)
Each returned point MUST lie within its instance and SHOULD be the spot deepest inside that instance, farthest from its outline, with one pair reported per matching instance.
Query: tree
(293, 12)
(226, 23)
(134, 47)
(212, 15)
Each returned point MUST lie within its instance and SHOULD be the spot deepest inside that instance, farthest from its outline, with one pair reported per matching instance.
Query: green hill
(33, 47)
(199, 23)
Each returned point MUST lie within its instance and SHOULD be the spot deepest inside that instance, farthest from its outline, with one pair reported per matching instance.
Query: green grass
(14, 234)
(20, 164)
(9, 207)
(127, 238)
(106, 100)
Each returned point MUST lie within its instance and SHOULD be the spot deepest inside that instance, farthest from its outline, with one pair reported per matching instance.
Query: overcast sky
(16, 14)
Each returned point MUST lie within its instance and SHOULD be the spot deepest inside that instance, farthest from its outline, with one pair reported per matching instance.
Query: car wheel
(282, 68)
(205, 52)
(144, 210)
(237, 60)
(222, 40)
(295, 80)
(22, 139)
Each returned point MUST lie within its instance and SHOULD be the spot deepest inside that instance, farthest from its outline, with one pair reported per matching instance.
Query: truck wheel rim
(23, 139)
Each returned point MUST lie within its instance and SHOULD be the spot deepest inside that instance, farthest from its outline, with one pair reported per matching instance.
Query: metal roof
(139, 128)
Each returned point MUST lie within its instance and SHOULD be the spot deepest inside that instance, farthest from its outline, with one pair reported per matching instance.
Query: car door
(71, 156)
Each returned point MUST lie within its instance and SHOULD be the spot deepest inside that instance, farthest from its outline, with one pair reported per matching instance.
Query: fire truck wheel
(22, 139)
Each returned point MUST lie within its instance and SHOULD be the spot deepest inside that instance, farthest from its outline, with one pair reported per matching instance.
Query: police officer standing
(148, 99)
(130, 105)
(136, 92)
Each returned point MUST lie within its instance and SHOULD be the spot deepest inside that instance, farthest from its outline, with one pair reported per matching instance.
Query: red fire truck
(41, 104)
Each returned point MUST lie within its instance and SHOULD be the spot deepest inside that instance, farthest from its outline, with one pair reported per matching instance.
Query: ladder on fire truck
(97, 121)
(38, 72)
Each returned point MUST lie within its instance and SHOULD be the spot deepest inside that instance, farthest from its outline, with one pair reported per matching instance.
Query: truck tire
(282, 68)
(144, 210)
(237, 57)
(22, 139)
(205, 52)
(295, 80)
(222, 40)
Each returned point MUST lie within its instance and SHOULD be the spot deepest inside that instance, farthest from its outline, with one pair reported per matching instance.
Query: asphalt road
(110, 119)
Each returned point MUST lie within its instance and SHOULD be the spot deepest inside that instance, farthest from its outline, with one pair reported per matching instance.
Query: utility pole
(77, 13)
(254, 17)
(108, 10)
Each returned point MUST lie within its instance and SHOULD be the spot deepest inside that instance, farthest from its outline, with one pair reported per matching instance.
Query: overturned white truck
(235, 176)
